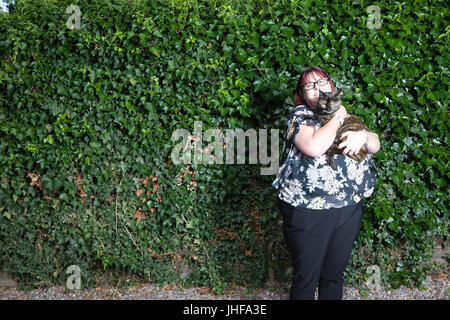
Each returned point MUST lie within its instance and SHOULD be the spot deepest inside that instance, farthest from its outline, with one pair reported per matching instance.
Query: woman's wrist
(339, 118)
(366, 137)
(373, 143)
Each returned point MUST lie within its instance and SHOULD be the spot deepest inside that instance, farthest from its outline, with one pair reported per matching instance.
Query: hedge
(87, 116)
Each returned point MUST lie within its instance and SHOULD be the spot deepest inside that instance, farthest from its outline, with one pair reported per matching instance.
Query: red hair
(298, 93)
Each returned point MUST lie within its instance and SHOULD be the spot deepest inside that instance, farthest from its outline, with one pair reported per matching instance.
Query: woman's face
(311, 96)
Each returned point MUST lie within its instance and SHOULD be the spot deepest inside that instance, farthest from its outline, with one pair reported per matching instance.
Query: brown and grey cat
(327, 105)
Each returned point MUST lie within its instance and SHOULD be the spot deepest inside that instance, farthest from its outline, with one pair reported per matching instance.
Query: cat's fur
(327, 105)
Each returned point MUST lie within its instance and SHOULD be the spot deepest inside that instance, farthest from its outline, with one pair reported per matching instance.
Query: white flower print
(313, 176)
(316, 203)
(340, 174)
(341, 195)
(368, 192)
(294, 194)
(327, 173)
(314, 184)
(328, 205)
(332, 186)
(322, 160)
(354, 171)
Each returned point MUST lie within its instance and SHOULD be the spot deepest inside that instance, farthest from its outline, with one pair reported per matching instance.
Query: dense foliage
(87, 116)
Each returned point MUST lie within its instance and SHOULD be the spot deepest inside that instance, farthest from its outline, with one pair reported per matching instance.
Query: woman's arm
(314, 143)
(374, 143)
(356, 139)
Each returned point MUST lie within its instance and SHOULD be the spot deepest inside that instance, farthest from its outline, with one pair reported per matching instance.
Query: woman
(321, 207)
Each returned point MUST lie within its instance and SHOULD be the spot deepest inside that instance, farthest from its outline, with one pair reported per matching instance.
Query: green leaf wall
(87, 116)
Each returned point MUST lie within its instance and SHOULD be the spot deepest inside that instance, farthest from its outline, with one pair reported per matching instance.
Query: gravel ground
(436, 288)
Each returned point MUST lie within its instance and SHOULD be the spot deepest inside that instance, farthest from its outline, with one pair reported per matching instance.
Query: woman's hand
(342, 112)
(354, 142)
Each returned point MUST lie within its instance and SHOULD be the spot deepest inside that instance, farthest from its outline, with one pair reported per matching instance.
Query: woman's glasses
(320, 82)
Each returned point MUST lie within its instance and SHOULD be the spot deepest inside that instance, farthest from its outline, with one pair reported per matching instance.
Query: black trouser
(320, 243)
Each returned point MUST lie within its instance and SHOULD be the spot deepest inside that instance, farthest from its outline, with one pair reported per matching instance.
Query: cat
(327, 105)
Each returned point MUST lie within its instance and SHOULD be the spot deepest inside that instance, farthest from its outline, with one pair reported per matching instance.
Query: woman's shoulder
(299, 111)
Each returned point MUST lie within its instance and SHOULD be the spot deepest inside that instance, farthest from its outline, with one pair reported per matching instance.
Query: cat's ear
(322, 94)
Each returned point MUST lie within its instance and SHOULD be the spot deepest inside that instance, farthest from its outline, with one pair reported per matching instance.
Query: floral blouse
(311, 183)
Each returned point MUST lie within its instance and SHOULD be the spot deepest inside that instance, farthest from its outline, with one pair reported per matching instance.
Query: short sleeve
(297, 118)
(289, 160)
